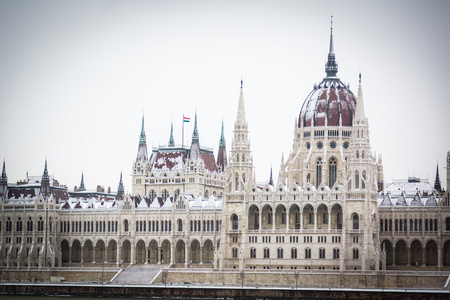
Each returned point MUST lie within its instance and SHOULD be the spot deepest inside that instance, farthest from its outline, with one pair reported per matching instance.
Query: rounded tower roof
(331, 103)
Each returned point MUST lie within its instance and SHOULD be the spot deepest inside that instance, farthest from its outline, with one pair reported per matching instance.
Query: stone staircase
(139, 274)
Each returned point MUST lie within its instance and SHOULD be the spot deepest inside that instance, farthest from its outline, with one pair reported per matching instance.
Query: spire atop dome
(331, 67)
(142, 139)
(171, 141)
(195, 137)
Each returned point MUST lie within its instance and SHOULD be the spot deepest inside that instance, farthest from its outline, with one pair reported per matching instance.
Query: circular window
(346, 145)
(319, 145)
(308, 189)
(294, 189)
(308, 145)
(322, 189)
(333, 145)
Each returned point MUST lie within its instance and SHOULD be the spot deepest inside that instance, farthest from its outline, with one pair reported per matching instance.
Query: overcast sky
(76, 76)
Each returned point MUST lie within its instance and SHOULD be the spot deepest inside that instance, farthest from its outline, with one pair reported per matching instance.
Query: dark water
(21, 297)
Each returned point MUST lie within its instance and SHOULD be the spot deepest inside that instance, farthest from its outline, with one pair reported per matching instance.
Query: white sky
(76, 76)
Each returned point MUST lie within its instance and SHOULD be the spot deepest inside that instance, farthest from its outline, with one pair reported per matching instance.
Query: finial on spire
(45, 177)
(359, 77)
(120, 189)
(271, 178)
(242, 83)
(222, 138)
(82, 182)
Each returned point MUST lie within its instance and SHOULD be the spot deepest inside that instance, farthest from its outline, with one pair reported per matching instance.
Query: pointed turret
(437, 181)
(3, 182)
(195, 137)
(195, 145)
(222, 155)
(120, 189)
(241, 108)
(82, 188)
(4, 178)
(331, 67)
(45, 182)
(142, 154)
(271, 178)
(360, 114)
(171, 140)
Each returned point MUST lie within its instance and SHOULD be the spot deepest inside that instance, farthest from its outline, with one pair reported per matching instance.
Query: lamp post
(242, 279)
(103, 269)
(296, 275)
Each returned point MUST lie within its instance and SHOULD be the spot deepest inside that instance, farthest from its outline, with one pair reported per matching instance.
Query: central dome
(331, 103)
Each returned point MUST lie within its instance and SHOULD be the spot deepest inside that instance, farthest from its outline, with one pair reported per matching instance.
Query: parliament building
(330, 209)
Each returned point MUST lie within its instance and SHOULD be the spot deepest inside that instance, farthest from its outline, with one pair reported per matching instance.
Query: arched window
(243, 182)
(356, 180)
(355, 253)
(322, 253)
(308, 178)
(335, 253)
(294, 253)
(237, 157)
(357, 154)
(252, 253)
(283, 215)
(307, 253)
(235, 222)
(266, 253)
(447, 224)
(180, 225)
(332, 171)
(165, 195)
(235, 252)
(243, 157)
(355, 221)
(125, 225)
(280, 253)
(318, 171)
(19, 224)
(311, 216)
(236, 178)
(363, 181)
(269, 215)
(381, 225)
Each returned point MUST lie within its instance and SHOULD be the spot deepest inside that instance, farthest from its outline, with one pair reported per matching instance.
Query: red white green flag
(186, 119)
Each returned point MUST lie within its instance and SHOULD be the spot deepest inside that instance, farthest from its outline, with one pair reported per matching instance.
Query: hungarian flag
(186, 119)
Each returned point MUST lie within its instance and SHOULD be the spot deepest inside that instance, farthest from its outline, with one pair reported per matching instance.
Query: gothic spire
(142, 139)
(4, 178)
(45, 177)
(437, 181)
(195, 137)
(120, 189)
(331, 67)
(171, 140)
(82, 188)
(241, 108)
(222, 139)
(271, 178)
(359, 114)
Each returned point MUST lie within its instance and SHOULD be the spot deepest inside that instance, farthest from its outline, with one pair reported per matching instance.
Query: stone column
(93, 255)
(301, 220)
(260, 221)
(172, 254)
(70, 254)
(186, 255)
(133, 251)
(158, 254)
(287, 220)
(315, 220)
(118, 261)
(146, 254)
(201, 255)
(329, 220)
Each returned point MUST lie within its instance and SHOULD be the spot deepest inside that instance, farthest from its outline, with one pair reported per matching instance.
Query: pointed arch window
(332, 171)
(236, 177)
(318, 171)
(235, 222)
(363, 181)
(243, 182)
(356, 180)
(357, 154)
(355, 222)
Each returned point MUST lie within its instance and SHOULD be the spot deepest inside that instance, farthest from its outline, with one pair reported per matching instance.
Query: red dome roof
(330, 101)
(327, 103)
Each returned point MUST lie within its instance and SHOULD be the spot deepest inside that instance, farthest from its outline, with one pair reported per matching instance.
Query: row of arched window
(88, 226)
(294, 253)
(19, 224)
(414, 225)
